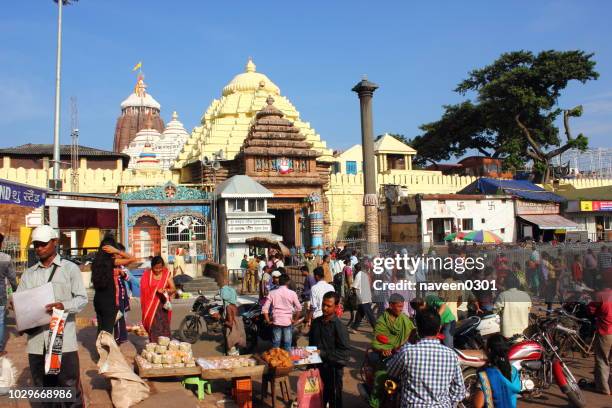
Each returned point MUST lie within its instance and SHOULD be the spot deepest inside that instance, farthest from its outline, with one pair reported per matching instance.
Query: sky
(315, 51)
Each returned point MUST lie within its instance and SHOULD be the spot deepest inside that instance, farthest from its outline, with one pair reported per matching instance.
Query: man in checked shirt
(429, 372)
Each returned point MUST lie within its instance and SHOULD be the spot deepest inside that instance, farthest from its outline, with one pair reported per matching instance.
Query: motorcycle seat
(472, 358)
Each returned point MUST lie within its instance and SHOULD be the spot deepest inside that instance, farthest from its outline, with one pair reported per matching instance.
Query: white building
(243, 206)
(442, 214)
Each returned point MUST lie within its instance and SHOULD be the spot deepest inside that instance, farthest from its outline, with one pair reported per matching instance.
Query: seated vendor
(393, 328)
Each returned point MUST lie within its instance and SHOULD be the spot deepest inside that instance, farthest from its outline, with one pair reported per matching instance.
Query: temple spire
(250, 66)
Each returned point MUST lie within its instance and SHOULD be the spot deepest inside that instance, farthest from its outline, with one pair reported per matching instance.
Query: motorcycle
(206, 317)
(256, 328)
(471, 333)
(537, 361)
(390, 396)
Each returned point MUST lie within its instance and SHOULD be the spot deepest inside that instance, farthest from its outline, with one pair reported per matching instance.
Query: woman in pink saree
(156, 290)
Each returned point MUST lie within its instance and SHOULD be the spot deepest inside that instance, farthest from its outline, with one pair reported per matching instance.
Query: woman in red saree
(156, 289)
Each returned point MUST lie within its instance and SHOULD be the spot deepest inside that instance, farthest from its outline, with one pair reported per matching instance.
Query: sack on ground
(8, 375)
(127, 388)
(310, 389)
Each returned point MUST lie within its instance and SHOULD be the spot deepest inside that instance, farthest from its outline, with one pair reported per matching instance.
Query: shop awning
(550, 222)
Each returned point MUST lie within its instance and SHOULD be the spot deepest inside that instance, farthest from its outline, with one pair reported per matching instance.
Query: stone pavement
(169, 392)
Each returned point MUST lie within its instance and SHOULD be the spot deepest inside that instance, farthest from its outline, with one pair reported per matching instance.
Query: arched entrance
(146, 237)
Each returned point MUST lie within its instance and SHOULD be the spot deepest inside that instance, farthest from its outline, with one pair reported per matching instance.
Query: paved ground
(170, 393)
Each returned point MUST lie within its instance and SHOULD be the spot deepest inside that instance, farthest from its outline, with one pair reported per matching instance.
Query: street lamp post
(55, 182)
(365, 90)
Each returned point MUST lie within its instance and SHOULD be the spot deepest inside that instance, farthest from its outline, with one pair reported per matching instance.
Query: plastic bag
(127, 388)
(8, 375)
(310, 389)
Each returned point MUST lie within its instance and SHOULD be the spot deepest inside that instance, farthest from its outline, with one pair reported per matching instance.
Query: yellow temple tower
(226, 122)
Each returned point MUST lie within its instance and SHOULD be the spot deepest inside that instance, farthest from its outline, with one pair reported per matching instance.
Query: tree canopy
(514, 111)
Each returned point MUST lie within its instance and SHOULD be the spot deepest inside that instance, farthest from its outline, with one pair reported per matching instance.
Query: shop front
(595, 217)
(172, 221)
(542, 222)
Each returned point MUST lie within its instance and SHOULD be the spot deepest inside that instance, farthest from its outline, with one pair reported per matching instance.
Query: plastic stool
(203, 386)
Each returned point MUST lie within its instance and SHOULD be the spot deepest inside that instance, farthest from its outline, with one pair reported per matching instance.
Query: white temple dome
(251, 81)
(140, 97)
(174, 128)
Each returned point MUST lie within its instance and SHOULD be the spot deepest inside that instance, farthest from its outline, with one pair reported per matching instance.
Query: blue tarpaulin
(519, 188)
(21, 194)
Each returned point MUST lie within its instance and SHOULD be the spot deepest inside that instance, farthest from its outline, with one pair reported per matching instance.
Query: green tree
(513, 114)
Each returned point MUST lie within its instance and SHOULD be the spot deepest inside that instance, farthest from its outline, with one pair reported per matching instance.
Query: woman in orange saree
(156, 290)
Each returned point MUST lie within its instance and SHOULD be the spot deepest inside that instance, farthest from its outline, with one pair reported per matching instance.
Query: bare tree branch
(558, 151)
(568, 133)
(534, 145)
(483, 151)
(533, 155)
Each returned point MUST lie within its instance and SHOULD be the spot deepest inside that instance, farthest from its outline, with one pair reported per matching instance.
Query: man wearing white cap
(70, 295)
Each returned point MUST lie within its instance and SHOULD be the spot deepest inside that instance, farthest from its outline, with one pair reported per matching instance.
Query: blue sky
(314, 51)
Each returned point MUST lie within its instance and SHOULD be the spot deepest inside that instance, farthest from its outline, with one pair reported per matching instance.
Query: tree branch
(527, 133)
(568, 133)
(533, 155)
(558, 151)
(483, 151)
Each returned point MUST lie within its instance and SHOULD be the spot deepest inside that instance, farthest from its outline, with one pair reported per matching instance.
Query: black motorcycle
(256, 328)
(206, 317)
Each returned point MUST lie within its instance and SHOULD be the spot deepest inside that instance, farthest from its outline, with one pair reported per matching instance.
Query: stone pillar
(365, 90)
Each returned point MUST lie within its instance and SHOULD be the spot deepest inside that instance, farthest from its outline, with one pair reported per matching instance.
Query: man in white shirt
(279, 263)
(363, 289)
(354, 260)
(316, 294)
(260, 268)
(513, 305)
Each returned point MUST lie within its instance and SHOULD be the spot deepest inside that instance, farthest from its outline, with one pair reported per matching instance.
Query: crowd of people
(412, 339)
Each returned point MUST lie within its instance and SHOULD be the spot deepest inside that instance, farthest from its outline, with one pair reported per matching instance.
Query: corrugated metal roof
(242, 186)
(519, 188)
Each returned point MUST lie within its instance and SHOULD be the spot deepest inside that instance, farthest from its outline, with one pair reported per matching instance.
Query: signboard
(21, 194)
(532, 208)
(249, 221)
(239, 229)
(588, 206)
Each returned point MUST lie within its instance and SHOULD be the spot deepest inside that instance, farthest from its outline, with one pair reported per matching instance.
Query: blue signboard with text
(21, 194)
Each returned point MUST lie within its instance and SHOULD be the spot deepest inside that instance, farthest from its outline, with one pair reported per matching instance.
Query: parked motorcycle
(537, 361)
(471, 333)
(206, 317)
(257, 329)
(390, 396)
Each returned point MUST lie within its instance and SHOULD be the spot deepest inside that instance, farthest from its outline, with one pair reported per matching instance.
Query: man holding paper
(70, 296)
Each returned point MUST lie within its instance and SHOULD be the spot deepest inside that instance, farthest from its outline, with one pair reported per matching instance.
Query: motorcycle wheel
(574, 394)
(470, 379)
(189, 329)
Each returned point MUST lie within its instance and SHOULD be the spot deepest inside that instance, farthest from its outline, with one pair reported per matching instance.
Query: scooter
(537, 361)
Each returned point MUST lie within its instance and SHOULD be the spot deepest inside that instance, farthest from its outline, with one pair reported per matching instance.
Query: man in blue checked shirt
(429, 372)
